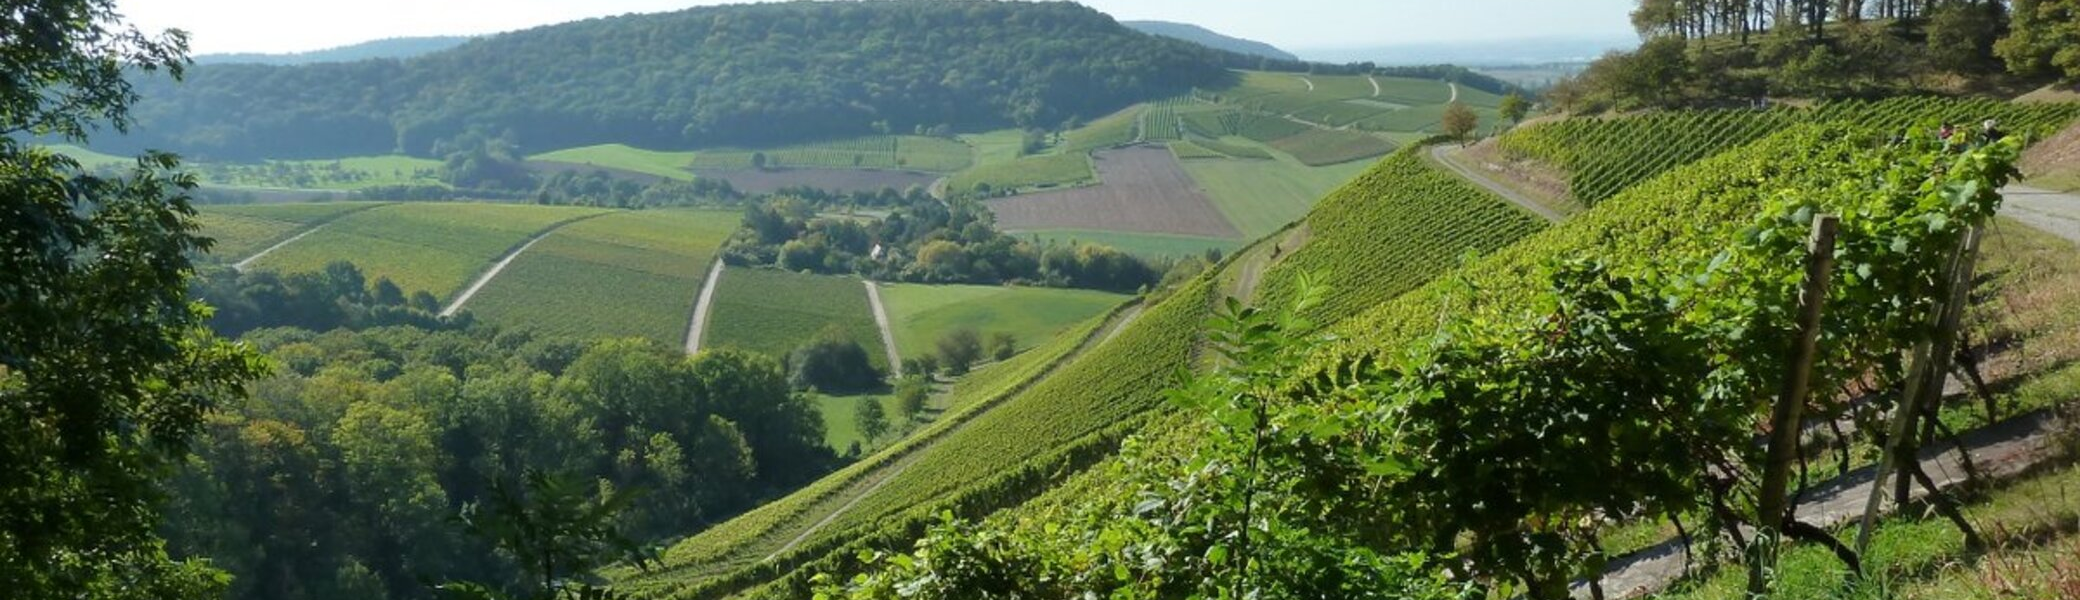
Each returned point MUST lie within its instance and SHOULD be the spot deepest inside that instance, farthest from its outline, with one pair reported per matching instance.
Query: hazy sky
(297, 25)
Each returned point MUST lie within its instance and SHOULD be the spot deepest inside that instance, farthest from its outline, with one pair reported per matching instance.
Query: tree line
(1730, 52)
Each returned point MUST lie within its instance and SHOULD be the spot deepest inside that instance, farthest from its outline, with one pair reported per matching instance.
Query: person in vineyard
(1990, 132)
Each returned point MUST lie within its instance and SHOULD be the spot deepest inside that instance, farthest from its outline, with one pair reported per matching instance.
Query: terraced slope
(631, 274)
(431, 247)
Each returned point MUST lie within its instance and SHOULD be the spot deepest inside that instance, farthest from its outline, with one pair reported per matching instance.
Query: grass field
(350, 173)
(669, 165)
(1146, 245)
(911, 152)
(432, 247)
(240, 230)
(1032, 172)
(91, 160)
(921, 314)
(1261, 196)
(633, 274)
(841, 420)
(772, 312)
(994, 147)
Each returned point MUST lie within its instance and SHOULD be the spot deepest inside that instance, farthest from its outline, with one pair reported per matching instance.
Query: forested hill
(729, 75)
(1209, 38)
(403, 47)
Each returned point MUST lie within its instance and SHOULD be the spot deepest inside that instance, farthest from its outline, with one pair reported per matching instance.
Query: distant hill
(748, 75)
(399, 48)
(1207, 37)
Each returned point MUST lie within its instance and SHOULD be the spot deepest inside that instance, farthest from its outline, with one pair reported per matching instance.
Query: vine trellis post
(1787, 419)
(1923, 393)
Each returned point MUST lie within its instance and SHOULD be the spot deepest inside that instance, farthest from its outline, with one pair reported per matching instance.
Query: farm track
(1309, 82)
(1117, 323)
(1442, 154)
(242, 265)
(500, 266)
(2052, 212)
(2002, 451)
(888, 336)
(1375, 86)
(1455, 92)
(702, 305)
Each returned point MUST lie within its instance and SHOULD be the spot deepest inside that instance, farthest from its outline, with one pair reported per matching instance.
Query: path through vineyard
(895, 469)
(2054, 213)
(500, 266)
(2004, 450)
(1442, 154)
(888, 338)
(242, 265)
(701, 306)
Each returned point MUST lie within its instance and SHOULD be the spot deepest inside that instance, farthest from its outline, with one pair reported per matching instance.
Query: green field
(633, 274)
(1147, 245)
(994, 147)
(1328, 147)
(1116, 129)
(431, 247)
(91, 160)
(772, 312)
(921, 314)
(669, 165)
(841, 420)
(910, 152)
(1261, 196)
(1032, 172)
(350, 173)
(240, 230)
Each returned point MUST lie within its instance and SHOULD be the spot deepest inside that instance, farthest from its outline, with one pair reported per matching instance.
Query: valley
(923, 300)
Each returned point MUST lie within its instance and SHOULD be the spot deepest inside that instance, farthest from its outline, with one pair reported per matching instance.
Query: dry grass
(2055, 162)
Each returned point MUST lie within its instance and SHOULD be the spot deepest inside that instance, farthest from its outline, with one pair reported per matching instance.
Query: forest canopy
(730, 75)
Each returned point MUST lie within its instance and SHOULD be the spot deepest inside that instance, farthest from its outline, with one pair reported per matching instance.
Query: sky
(276, 26)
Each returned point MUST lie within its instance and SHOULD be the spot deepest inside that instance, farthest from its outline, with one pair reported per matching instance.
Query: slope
(1065, 418)
(747, 75)
(1209, 38)
(429, 247)
(631, 274)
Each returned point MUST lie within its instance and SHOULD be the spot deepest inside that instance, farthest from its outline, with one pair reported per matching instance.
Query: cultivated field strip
(772, 312)
(624, 274)
(434, 247)
(484, 279)
(248, 231)
(1143, 189)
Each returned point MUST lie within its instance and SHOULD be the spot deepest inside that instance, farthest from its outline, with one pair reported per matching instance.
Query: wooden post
(1924, 387)
(1787, 420)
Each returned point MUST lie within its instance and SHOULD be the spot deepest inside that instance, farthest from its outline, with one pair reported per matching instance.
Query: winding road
(701, 305)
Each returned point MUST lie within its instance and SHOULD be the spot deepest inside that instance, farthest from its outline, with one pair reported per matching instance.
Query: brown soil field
(1144, 190)
(833, 180)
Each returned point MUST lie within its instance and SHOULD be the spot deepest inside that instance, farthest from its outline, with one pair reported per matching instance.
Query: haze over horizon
(286, 26)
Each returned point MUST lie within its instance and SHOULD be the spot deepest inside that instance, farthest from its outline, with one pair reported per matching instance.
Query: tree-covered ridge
(728, 75)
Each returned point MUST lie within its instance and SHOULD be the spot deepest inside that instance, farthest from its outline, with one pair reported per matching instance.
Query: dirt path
(1443, 156)
(2054, 213)
(888, 336)
(500, 266)
(1309, 82)
(1250, 270)
(1375, 86)
(1455, 92)
(2004, 450)
(242, 265)
(1111, 329)
(701, 305)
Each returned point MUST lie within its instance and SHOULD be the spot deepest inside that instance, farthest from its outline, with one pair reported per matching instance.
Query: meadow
(1111, 131)
(349, 173)
(920, 315)
(1328, 147)
(1044, 171)
(431, 247)
(773, 312)
(631, 274)
(1261, 196)
(1145, 245)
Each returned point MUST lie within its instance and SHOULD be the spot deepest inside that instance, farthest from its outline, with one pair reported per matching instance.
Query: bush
(911, 395)
(959, 350)
(833, 363)
(1003, 346)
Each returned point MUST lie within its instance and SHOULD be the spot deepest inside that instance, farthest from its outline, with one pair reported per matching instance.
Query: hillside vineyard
(928, 300)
